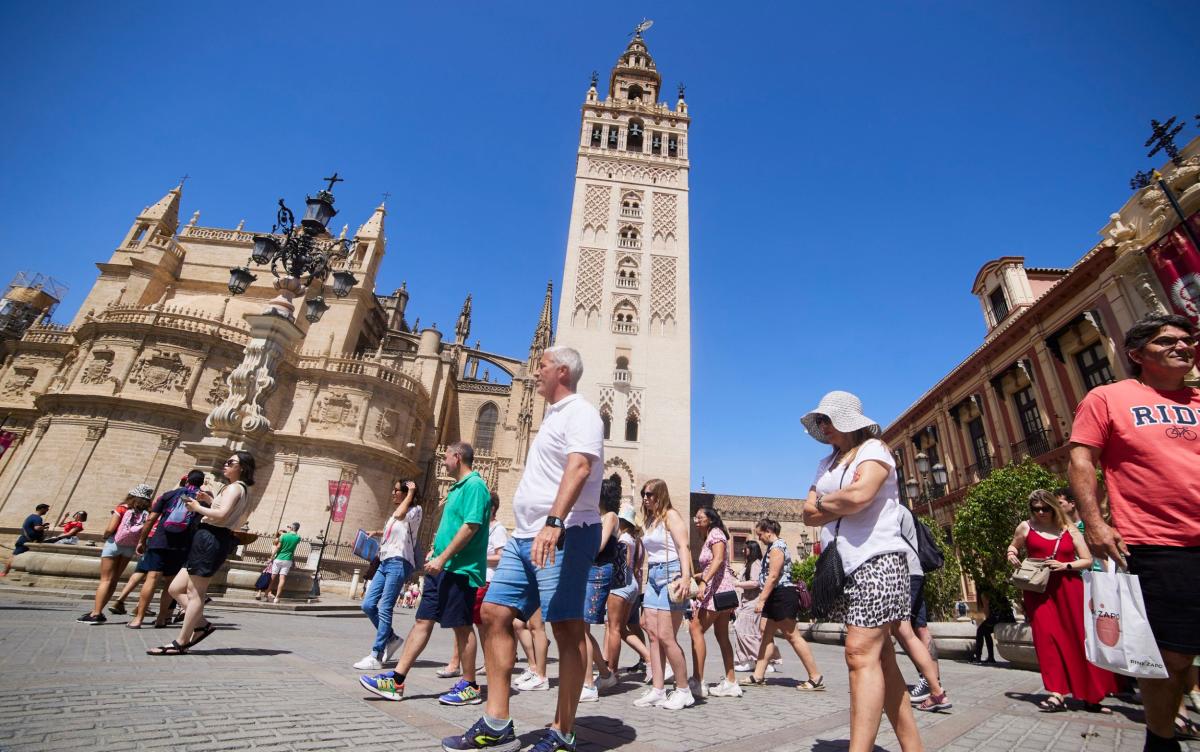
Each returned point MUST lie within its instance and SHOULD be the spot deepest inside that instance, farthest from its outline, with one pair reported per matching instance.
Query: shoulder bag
(829, 580)
(1034, 574)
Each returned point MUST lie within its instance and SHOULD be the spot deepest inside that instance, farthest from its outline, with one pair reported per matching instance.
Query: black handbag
(829, 580)
(725, 601)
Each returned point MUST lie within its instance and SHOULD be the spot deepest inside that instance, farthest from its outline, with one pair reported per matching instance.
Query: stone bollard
(354, 582)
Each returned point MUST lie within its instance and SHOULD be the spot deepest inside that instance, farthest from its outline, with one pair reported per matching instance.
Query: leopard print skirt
(877, 593)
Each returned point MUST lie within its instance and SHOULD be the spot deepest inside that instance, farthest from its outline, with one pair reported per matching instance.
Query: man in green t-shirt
(455, 569)
(285, 552)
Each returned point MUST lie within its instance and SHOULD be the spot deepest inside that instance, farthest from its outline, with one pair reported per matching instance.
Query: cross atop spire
(333, 179)
(183, 179)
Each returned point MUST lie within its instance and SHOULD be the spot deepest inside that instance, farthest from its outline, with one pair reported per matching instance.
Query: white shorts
(281, 567)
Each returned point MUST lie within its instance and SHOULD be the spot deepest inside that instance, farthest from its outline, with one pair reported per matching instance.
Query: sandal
(1052, 704)
(173, 649)
(753, 681)
(1095, 707)
(131, 625)
(200, 634)
(445, 673)
(808, 685)
(1185, 729)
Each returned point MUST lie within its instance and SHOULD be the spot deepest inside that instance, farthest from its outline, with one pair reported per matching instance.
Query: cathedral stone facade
(138, 385)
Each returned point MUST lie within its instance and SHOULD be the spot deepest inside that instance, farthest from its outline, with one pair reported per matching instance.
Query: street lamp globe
(939, 474)
(266, 249)
(923, 463)
(913, 488)
(343, 281)
(315, 308)
(240, 279)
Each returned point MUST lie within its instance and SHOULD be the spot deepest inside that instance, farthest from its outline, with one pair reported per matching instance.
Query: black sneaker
(118, 610)
(93, 620)
(919, 691)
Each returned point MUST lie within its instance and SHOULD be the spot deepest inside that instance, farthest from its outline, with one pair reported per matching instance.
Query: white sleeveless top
(659, 546)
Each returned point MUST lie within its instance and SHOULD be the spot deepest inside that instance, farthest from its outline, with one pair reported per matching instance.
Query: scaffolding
(27, 299)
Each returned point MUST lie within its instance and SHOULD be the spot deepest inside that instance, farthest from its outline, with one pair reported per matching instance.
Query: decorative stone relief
(94, 433)
(19, 381)
(662, 287)
(167, 443)
(99, 369)
(218, 389)
(249, 386)
(388, 423)
(665, 213)
(589, 280)
(596, 199)
(335, 409)
(633, 171)
(160, 371)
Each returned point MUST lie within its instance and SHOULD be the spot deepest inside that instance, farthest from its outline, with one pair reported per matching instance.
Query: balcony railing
(631, 213)
(625, 327)
(628, 283)
(979, 471)
(1034, 445)
(634, 243)
(622, 376)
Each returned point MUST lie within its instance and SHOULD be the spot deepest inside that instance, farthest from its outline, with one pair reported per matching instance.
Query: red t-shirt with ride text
(1150, 453)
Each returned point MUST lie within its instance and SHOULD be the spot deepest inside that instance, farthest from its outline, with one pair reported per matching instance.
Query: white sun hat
(844, 411)
(141, 491)
(628, 514)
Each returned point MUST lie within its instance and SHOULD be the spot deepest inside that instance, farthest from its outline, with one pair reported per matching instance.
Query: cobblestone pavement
(269, 681)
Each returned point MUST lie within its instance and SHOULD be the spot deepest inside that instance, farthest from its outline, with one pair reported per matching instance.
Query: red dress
(1056, 617)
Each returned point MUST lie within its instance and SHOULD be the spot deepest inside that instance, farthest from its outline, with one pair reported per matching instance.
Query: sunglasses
(647, 494)
(1040, 510)
(230, 462)
(1169, 342)
(822, 420)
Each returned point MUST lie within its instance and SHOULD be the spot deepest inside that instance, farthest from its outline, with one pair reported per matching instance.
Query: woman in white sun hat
(855, 496)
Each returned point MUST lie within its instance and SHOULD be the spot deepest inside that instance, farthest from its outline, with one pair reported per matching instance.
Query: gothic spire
(373, 227)
(543, 335)
(165, 213)
(463, 328)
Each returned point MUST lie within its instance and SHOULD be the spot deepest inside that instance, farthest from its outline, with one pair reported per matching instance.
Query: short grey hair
(465, 451)
(295, 526)
(570, 358)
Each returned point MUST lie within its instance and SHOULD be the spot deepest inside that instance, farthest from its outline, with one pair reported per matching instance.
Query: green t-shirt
(468, 501)
(287, 546)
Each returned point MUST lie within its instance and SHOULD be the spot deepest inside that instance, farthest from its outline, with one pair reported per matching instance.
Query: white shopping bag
(1117, 636)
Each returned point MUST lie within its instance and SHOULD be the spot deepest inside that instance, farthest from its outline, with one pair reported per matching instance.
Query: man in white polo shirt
(546, 562)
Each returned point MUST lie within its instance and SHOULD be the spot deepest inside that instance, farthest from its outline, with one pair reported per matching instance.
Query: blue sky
(853, 164)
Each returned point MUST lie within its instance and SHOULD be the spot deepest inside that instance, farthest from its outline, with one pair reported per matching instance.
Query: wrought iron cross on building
(333, 179)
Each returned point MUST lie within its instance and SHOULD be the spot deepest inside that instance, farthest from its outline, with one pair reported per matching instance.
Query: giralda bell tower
(624, 302)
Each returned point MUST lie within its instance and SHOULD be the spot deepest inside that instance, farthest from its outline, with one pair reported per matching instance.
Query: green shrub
(804, 571)
(985, 520)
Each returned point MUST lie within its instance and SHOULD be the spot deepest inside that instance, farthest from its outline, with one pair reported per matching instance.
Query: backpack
(928, 553)
(130, 530)
(176, 517)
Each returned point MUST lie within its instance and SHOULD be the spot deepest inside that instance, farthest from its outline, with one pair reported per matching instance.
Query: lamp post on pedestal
(932, 483)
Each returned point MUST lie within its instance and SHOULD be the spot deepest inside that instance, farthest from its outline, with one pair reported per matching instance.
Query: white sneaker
(651, 698)
(534, 684)
(697, 688)
(370, 663)
(743, 667)
(392, 651)
(526, 676)
(774, 667)
(679, 699)
(589, 694)
(607, 682)
(725, 689)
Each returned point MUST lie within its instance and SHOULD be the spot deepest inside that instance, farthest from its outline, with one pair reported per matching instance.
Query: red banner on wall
(1177, 264)
(339, 499)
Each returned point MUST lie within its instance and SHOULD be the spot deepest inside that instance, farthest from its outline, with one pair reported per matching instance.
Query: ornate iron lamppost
(1162, 138)
(928, 488)
(299, 256)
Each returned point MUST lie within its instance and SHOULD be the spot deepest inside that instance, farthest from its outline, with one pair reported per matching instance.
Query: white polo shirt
(571, 425)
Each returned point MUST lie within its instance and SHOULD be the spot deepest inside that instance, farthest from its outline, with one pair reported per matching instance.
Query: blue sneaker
(461, 693)
(553, 742)
(483, 736)
(383, 685)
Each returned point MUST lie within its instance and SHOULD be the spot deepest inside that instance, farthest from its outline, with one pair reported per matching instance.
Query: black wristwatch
(552, 521)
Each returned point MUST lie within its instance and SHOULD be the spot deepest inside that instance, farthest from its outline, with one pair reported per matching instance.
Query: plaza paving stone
(271, 681)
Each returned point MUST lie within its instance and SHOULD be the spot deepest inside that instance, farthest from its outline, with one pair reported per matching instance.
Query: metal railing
(1035, 445)
(979, 471)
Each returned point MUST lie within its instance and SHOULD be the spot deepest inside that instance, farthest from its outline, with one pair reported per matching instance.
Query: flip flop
(1052, 704)
(1095, 707)
(173, 649)
(200, 634)
(1185, 729)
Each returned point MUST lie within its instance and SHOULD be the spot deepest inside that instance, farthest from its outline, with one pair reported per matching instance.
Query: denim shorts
(629, 592)
(657, 580)
(111, 550)
(595, 604)
(559, 589)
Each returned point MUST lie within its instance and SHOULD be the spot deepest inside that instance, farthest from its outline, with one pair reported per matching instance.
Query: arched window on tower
(606, 419)
(633, 142)
(629, 237)
(597, 135)
(627, 273)
(621, 375)
(635, 93)
(485, 428)
(625, 318)
(613, 134)
(631, 426)
(631, 206)
(656, 143)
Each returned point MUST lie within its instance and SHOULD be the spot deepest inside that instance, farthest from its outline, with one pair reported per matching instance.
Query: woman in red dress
(1056, 616)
